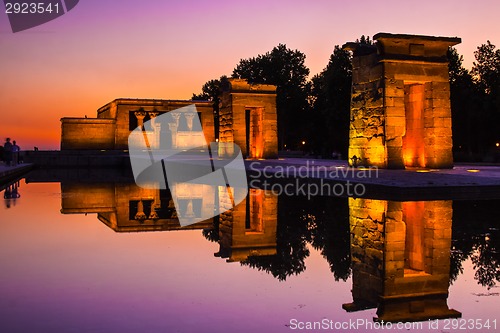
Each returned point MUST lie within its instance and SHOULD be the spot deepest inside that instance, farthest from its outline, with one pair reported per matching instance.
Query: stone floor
(463, 181)
(8, 173)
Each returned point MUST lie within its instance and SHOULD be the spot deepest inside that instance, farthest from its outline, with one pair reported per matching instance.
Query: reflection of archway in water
(249, 229)
(401, 258)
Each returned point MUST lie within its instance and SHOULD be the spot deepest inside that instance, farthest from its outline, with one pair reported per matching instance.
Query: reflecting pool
(101, 256)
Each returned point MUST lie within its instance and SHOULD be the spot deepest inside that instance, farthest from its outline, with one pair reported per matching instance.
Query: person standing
(7, 151)
(15, 153)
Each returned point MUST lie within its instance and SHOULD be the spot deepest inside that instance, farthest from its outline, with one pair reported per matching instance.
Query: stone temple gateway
(247, 117)
(400, 104)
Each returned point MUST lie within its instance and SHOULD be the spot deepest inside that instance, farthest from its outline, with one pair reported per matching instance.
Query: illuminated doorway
(254, 132)
(413, 140)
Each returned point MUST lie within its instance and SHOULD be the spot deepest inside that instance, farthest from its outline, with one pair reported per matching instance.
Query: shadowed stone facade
(248, 118)
(400, 105)
(401, 258)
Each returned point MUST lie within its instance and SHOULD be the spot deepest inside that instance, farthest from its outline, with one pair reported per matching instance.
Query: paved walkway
(463, 181)
(8, 173)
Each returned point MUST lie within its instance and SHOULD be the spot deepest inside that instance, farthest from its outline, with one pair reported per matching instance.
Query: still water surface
(78, 257)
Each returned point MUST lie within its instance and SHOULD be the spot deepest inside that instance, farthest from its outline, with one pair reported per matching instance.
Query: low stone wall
(78, 158)
(87, 133)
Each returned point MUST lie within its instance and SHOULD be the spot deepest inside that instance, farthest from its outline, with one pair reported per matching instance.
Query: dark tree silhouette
(291, 242)
(330, 234)
(486, 72)
(331, 107)
(476, 235)
(465, 108)
(486, 68)
(331, 98)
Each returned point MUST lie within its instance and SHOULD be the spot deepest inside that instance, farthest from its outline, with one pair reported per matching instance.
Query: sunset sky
(104, 49)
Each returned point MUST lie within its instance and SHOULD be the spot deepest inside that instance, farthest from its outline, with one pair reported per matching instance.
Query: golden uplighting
(473, 170)
(303, 142)
(497, 144)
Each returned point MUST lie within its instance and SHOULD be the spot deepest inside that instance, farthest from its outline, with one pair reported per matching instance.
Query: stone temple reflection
(126, 207)
(399, 251)
(250, 228)
(401, 259)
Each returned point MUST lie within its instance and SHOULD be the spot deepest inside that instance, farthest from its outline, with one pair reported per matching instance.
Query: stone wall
(120, 110)
(366, 219)
(83, 198)
(239, 98)
(111, 128)
(87, 133)
(382, 129)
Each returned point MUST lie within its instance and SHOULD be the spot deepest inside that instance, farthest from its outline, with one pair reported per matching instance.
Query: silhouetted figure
(35, 148)
(11, 194)
(7, 193)
(7, 147)
(15, 153)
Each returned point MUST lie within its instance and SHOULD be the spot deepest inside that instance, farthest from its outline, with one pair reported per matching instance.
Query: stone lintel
(417, 39)
(414, 47)
(402, 47)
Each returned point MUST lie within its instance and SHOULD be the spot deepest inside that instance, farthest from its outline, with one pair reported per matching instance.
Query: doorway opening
(254, 132)
(413, 140)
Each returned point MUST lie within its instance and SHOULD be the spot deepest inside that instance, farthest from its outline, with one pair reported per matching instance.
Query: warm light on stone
(248, 118)
(400, 254)
(127, 207)
(400, 103)
(116, 120)
(249, 229)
